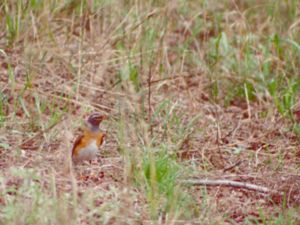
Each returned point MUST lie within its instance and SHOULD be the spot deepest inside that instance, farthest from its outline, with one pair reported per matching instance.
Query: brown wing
(100, 139)
(76, 143)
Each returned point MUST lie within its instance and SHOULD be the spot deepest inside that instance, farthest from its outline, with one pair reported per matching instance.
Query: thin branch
(229, 183)
(218, 134)
(80, 57)
(149, 97)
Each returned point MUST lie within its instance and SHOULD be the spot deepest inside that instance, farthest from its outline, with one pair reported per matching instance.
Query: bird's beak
(100, 118)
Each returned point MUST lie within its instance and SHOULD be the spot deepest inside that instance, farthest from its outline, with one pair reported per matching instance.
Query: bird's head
(93, 121)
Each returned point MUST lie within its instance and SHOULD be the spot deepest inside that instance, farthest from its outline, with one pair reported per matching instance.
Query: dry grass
(190, 88)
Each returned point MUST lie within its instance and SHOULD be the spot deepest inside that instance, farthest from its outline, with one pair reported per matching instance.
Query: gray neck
(93, 128)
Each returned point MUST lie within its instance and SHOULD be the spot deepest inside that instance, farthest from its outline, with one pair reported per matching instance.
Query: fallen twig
(229, 183)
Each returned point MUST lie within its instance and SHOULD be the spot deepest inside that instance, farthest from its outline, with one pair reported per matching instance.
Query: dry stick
(80, 53)
(229, 183)
(248, 102)
(149, 99)
(219, 137)
(149, 81)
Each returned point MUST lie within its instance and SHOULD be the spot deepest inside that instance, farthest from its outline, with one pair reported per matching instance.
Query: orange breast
(85, 139)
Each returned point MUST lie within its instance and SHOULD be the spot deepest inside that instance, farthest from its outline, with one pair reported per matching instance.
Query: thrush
(86, 145)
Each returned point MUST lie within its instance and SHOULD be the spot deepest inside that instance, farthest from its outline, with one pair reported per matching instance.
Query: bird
(86, 145)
